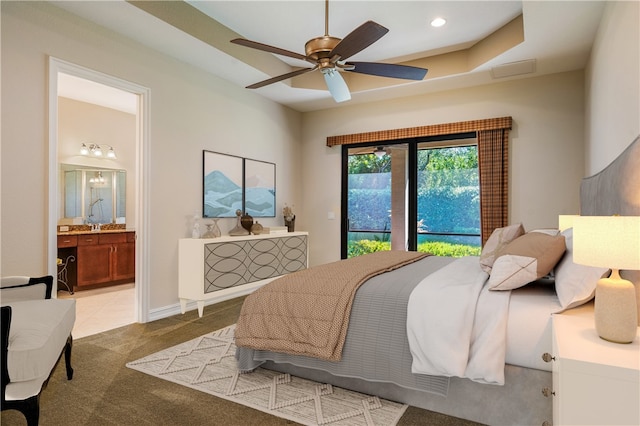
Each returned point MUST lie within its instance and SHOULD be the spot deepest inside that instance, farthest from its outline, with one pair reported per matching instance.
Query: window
(422, 195)
(493, 165)
(448, 199)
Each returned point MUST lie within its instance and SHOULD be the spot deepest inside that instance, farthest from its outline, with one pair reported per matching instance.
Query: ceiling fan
(328, 54)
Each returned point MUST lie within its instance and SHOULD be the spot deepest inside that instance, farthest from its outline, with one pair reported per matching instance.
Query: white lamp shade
(565, 221)
(607, 241)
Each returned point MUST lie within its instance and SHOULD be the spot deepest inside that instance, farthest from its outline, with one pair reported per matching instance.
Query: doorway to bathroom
(77, 96)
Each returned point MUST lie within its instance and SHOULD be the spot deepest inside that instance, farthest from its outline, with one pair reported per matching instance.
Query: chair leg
(67, 357)
(29, 407)
(32, 410)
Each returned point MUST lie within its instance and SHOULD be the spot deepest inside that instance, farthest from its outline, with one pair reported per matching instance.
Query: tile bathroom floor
(102, 309)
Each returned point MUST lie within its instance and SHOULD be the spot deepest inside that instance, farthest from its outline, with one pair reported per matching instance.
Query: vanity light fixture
(95, 150)
(98, 179)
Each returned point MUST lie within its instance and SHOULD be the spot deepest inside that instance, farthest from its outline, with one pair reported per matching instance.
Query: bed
(382, 351)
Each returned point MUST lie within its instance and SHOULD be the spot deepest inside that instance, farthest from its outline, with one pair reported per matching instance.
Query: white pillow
(575, 283)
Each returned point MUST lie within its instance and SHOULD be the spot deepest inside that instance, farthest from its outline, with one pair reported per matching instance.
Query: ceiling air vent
(514, 68)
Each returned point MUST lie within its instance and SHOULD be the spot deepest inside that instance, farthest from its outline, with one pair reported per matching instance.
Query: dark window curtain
(493, 165)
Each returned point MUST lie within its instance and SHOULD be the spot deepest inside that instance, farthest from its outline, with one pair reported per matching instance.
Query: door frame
(142, 223)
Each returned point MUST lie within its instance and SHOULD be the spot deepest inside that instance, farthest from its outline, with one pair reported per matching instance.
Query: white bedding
(456, 327)
(529, 325)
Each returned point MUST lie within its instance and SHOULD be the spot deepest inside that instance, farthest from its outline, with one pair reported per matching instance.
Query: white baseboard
(174, 309)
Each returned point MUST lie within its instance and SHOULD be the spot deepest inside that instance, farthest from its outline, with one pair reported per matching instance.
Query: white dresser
(595, 382)
(218, 269)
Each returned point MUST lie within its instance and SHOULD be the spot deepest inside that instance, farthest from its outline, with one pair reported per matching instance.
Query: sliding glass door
(448, 198)
(420, 195)
(376, 194)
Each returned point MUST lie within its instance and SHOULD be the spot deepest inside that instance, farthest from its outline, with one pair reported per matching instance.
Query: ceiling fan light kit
(328, 54)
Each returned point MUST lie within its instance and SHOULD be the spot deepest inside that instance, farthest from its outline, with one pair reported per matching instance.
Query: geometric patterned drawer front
(233, 263)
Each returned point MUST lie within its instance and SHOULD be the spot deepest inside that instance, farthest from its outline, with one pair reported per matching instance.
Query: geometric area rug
(208, 364)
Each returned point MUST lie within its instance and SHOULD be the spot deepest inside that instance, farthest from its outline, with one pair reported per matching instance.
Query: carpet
(208, 364)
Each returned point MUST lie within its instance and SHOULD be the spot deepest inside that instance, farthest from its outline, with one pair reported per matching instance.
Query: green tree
(448, 167)
(369, 163)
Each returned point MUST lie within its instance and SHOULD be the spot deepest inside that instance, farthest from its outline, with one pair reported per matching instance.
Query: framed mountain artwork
(222, 185)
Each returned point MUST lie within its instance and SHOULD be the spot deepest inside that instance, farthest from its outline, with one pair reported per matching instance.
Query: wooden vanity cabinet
(123, 258)
(105, 258)
(94, 260)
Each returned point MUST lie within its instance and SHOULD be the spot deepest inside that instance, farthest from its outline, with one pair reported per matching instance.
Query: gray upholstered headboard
(616, 189)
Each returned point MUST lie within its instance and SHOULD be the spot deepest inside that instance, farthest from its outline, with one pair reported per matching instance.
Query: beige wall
(613, 86)
(546, 147)
(81, 122)
(190, 110)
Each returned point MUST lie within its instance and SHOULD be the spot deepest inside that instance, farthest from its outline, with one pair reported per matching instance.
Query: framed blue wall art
(222, 185)
(231, 183)
(259, 188)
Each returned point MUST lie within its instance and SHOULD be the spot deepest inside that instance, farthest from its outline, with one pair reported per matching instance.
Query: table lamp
(611, 242)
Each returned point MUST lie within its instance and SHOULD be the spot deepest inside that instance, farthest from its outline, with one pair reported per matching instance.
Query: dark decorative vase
(290, 224)
(247, 221)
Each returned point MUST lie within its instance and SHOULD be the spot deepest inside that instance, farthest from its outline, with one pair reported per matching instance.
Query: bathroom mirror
(93, 195)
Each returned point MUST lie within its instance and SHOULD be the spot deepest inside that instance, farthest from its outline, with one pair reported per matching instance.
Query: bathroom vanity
(95, 249)
(95, 259)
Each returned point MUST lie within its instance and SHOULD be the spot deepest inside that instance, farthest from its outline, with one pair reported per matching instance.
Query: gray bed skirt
(519, 402)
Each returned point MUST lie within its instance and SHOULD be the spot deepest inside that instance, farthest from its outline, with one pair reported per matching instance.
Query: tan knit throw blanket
(307, 312)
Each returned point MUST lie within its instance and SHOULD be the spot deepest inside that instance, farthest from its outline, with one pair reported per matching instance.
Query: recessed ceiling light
(438, 22)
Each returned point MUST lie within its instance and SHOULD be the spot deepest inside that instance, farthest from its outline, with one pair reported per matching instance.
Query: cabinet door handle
(546, 357)
(547, 392)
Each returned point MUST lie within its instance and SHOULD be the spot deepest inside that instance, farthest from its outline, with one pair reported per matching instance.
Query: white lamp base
(616, 313)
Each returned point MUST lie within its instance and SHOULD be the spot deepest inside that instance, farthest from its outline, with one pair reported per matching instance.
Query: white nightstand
(595, 382)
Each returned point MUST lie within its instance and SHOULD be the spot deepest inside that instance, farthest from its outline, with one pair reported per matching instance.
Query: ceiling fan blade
(281, 77)
(267, 48)
(337, 87)
(388, 70)
(359, 39)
